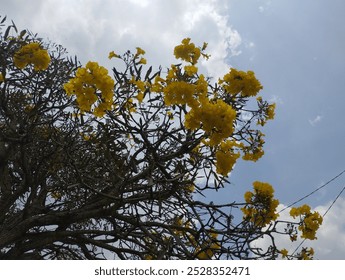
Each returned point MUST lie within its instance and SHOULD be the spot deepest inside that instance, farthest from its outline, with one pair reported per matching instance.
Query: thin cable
(314, 191)
(324, 214)
(329, 208)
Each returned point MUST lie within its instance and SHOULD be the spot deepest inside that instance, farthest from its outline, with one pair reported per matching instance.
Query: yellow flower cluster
(190, 70)
(32, 53)
(242, 82)
(112, 54)
(140, 51)
(261, 205)
(141, 88)
(90, 84)
(268, 111)
(187, 51)
(310, 221)
(215, 117)
(203, 110)
(179, 92)
(284, 253)
(208, 112)
(254, 151)
(226, 157)
(306, 254)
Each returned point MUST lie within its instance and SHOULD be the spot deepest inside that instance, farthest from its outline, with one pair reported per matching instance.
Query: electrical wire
(314, 191)
(311, 193)
(329, 208)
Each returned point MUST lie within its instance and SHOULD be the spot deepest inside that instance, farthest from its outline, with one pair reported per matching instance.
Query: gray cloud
(90, 29)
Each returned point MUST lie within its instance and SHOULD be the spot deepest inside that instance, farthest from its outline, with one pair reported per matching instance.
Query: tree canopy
(96, 165)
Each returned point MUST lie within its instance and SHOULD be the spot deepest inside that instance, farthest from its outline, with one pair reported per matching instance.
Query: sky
(296, 49)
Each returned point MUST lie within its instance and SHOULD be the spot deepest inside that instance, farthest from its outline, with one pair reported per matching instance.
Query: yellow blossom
(140, 96)
(226, 157)
(140, 51)
(242, 82)
(90, 80)
(170, 115)
(56, 195)
(306, 254)
(179, 92)
(130, 106)
(142, 61)
(112, 54)
(32, 53)
(310, 221)
(270, 111)
(215, 117)
(187, 51)
(190, 70)
(254, 151)
(284, 253)
(261, 205)
(190, 188)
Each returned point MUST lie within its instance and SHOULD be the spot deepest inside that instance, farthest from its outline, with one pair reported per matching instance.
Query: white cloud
(316, 120)
(265, 6)
(330, 242)
(92, 28)
(276, 99)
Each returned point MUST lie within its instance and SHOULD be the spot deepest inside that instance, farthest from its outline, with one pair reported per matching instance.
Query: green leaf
(7, 32)
(3, 20)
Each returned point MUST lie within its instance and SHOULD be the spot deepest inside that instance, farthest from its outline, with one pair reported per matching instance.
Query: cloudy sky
(295, 47)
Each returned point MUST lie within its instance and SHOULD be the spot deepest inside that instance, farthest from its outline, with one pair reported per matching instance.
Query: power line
(324, 214)
(336, 198)
(314, 191)
(311, 193)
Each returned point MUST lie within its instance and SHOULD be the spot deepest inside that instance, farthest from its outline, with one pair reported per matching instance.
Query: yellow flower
(255, 150)
(170, 115)
(261, 205)
(293, 237)
(306, 254)
(310, 221)
(157, 86)
(56, 195)
(187, 51)
(284, 253)
(140, 96)
(270, 111)
(32, 53)
(112, 54)
(2, 79)
(215, 117)
(90, 80)
(190, 70)
(179, 92)
(248, 196)
(190, 188)
(140, 51)
(130, 106)
(241, 82)
(226, 157)
(142, 61)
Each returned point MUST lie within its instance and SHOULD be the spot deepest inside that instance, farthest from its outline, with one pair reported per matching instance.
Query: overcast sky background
(295, 47)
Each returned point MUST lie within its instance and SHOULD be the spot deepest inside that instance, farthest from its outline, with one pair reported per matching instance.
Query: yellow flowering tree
(97, 165)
